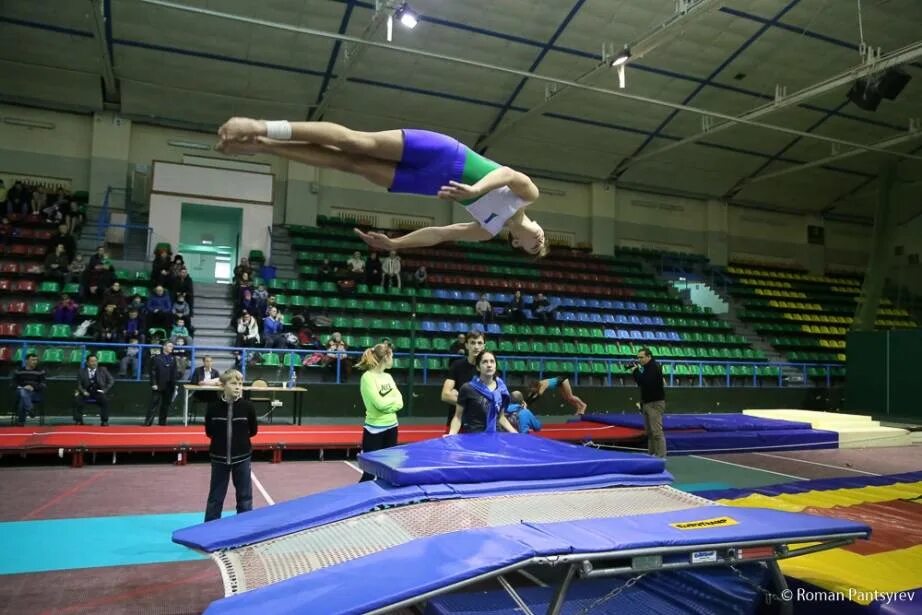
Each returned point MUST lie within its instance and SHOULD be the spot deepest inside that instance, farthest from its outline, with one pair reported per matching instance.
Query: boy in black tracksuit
(230, 422)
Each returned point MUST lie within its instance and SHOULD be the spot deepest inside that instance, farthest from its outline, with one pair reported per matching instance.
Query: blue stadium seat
(617, 305)
(428, 325)
(610, 334)
(494, 328)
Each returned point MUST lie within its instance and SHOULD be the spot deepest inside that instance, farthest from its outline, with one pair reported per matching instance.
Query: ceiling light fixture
(621, 58)
(15, 121)
(407, 16)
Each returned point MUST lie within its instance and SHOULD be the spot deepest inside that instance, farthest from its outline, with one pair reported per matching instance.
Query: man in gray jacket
(93, 384)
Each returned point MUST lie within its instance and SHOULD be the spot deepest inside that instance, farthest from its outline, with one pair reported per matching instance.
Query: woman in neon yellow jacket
(382, 400)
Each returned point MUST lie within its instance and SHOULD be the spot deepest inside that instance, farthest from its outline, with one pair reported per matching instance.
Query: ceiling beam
(109, 82)
(662, 33)
(352, 53)
(896, 58)
(886, 143)
(522, 73)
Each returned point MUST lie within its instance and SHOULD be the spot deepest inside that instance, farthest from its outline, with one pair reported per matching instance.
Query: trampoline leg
(561, 593)
(514, 595)
(779, 584)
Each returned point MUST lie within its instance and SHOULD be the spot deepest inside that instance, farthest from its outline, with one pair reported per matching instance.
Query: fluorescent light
(15, 121)
(188, 144)
(621, 58)
(407, 16)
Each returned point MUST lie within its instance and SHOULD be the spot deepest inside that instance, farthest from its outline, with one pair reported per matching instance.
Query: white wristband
(280, 130)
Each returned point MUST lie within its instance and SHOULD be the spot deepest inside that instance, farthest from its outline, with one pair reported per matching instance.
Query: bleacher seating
(805, 317)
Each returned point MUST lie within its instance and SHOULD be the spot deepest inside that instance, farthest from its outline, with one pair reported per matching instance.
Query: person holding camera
(649, 377)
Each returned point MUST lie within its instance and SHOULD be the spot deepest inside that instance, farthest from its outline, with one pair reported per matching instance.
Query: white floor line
(739, 465)
(354, 467)
(262, 489)
(817, 463)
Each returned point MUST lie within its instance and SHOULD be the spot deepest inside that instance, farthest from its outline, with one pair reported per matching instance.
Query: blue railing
(246, 354)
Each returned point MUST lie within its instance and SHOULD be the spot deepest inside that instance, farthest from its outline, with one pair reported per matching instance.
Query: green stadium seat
(35, 329)
(60, 332)
(49, 287)
(89, 310)
(71, 288)
(106, 357)
(40, 308)
(75, 356)
(143, 291)
(292, 359)
(271, 359)
(53, 355)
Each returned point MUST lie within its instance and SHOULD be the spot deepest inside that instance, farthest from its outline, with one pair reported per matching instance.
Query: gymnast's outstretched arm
(429, 236)
(518, 182)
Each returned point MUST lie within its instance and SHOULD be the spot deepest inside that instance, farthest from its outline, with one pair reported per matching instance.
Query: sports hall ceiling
(194, 70)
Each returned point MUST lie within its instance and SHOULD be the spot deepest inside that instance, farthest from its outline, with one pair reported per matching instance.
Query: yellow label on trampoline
(704, 523)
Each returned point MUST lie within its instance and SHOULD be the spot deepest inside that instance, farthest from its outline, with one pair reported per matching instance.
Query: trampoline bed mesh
(252, 566)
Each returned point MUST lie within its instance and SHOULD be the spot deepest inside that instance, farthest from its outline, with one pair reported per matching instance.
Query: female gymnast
(405, 161)
(537, 388)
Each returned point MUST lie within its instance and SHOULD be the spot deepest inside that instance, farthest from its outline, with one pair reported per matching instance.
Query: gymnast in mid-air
(405, 161)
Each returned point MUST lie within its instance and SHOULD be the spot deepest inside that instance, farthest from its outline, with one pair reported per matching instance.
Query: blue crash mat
(487, 457)
(679, 443)
(336, 504)
(435, 562)
(704, 422)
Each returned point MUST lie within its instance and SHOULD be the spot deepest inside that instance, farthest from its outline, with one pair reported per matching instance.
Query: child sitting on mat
(520, 416)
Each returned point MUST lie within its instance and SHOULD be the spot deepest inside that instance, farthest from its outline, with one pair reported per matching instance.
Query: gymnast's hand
(241, 129)
(456, 191)
(247, 146)
(378, 241)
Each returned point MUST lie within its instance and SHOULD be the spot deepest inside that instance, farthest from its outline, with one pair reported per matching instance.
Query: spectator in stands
(483, 401)
(2, 197)
(183, 284)
(459, 346)
(242, 268)
(247, 331)
(93, 383)
(76, 269)
(164, 374)
(66, 237)
(520, 416)
(182, 310)
(137, 303)
(100, 274)
(390, 271)
(513, 310)
(73, 217)
(15, 199)
(99, 257)
(261, 297)
(134, 324)
(461, 371)
(273, 329)
(271, 302)
(56, 264)
(248, 303)
(37, 202)
(382, 401)
(649, 377)
(114, 295)
(109, 325)
(176, 266)
(180, 333)
(484, 309)
(372, 269)
(420, 276)
(325, 273)
(65, 310)
(30, 383)
(537, 388)
(336, 358)
(230, 423)
(159, 312)
(129, 362)
(244, 285)
(356, 265)
(160, 269)
(543, 308)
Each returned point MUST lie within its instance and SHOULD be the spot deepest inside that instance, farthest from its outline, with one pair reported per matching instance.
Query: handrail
(245, 353)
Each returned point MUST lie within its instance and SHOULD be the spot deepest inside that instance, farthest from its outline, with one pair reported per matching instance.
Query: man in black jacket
(230, 422)
(649, 376)
(30, 383)
(93, 383)
(164, 374)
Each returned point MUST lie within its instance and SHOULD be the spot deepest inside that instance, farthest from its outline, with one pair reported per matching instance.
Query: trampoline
(584, 513)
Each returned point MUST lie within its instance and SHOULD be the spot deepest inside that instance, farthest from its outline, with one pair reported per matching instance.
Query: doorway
(209, 240)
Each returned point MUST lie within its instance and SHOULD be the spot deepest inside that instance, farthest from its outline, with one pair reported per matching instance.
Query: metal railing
(248, 361)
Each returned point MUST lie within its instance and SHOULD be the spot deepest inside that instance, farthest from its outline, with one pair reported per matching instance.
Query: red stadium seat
(18, 249)
(5, 284)
(43, 234)
(24, 286)
(16, 307)
(38, 250)
(9, 329)
(6, 354)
